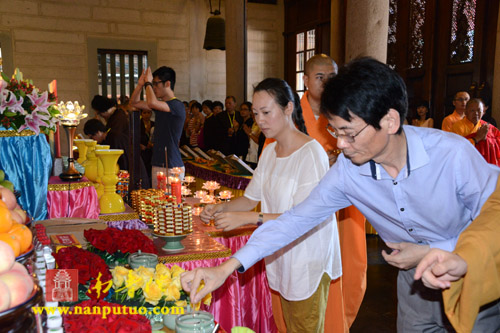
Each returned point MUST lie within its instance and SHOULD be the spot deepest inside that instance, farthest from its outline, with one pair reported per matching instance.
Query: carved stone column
(367, 24)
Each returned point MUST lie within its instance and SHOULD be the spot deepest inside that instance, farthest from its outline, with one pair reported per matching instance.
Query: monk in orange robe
(459, 102)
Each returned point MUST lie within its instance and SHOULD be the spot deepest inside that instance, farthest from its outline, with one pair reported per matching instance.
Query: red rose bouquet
(120, 318)
(90, 267)
(112, 240)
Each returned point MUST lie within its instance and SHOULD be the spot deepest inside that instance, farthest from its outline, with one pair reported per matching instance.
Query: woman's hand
(209, 212)
(232, 220)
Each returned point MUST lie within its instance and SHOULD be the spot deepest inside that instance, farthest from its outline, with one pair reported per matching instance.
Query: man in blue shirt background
(419, 187)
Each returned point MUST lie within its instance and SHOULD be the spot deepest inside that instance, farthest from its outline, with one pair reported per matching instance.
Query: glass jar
(148, 260)
(198, 321)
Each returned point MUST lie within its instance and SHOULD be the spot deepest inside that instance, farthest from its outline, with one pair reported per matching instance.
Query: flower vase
(82, 149)
(90, 163)
(110, 202)
(100, 172)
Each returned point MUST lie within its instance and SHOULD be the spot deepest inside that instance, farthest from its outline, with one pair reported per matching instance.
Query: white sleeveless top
(295, 271)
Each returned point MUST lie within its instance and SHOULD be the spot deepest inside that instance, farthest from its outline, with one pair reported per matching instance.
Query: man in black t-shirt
(169, 116)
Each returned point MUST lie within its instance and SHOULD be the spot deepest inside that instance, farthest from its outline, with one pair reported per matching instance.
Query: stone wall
(49, 40)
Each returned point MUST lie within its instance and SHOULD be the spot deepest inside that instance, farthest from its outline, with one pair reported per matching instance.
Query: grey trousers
(420, 309)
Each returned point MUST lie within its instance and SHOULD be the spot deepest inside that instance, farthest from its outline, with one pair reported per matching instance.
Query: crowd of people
(396, 175)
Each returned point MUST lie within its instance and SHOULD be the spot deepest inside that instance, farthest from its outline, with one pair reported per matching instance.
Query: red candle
(161, 181)
(176, 191)
(57, 142)
(57, 139)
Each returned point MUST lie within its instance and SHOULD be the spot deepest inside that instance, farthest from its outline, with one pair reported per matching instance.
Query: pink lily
(12, 104)
(40, 102)
(33, 122)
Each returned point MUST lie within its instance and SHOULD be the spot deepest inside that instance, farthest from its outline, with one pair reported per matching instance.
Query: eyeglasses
(155, 83)
(346, 137)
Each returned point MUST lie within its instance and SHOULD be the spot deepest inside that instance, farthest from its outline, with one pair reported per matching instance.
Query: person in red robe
(484, 136)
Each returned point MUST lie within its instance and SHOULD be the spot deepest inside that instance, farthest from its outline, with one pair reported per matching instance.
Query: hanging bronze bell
(215, 35)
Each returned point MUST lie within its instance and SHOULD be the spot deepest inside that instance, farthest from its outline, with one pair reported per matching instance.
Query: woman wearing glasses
(288, 170)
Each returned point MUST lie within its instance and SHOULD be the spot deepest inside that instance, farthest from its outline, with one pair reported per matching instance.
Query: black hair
(102, 104)
(232, 97)
(208, 103)
(367, 88)
(424, 104)
(248, 104)
(92, 126)
(217, 103)
(282, 94)
(196, 105)
(297, 116)
(165, 74)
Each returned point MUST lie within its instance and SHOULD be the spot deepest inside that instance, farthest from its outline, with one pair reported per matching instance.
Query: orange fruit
(23, 235)
(5, 219)
(12, 241)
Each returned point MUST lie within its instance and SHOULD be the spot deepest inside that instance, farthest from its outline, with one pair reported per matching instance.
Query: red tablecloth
(244, 299)
(72, 199)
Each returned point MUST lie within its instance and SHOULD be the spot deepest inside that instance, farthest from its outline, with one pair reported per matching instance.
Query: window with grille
(391, 37)
(306, 45)
(119, 71)
(462, 31)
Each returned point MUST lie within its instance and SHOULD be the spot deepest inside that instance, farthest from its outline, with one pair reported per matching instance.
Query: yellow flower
(134, 282)
(119, 274)
(163, 280)
(163, 270)
(176, 271)
(171, 293)
(182, 304)
(205, 300)
(146, 274)
(152, 293)
(176, 281)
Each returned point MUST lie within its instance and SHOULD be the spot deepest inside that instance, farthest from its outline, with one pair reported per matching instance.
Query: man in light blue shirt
(420, 188)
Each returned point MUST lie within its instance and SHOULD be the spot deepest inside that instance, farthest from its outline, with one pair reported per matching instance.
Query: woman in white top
(288, 170)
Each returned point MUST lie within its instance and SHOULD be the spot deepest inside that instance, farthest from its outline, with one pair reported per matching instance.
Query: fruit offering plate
(172, 243)
(23, 258)
(20, 318)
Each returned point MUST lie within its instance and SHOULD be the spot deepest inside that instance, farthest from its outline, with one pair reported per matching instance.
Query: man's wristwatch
(147, 83)
(260, 220)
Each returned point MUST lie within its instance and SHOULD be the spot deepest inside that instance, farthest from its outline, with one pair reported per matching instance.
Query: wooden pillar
(135, 152)
(495, 103)
(337, 31)
(236, 50)
(367, 23)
